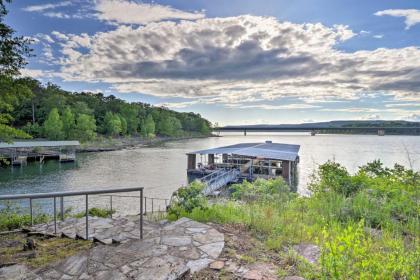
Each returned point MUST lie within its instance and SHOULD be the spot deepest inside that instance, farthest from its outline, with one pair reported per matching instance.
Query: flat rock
(213, 249)
(176, 240)
(217, 265)
(199, 264)
(293, 278)
(74, 265)
(17, 272)
(253, 275)
(310, 252)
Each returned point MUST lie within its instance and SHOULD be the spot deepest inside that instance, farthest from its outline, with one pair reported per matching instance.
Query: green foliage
(350, 253)
(261, 189)
(85, 129)
(187, 199)
(13, 217)
(332, 176)
(97, 212)
(13, 49)
(112, 124)
(148, 127)
(68, 123)
(366, 224)
(169, 126)
(53, 126)
(12, 92)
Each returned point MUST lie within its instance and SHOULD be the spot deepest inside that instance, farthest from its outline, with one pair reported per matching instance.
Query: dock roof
(33, 144)
(266, 150)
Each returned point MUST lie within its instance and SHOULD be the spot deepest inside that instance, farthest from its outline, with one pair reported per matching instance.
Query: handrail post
(145, 205)
(87, 214)
(141, 213)
(110, 203)
(55, 215)
(31, 211)
(62, 207)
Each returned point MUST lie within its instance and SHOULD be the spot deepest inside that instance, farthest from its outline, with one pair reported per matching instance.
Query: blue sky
(234, 61)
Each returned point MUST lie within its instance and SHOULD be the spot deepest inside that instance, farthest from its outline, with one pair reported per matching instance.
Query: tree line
(31, 109)
(50, 112)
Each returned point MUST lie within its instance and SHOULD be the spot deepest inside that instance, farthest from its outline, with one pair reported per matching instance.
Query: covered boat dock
(251, 160)
(20, 152)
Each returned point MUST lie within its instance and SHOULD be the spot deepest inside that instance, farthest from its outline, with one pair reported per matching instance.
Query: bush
(97, 212)
(186, 199)
(350, 253)
(273, 189)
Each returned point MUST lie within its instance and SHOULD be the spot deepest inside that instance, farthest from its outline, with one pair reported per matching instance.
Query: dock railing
(61, 195)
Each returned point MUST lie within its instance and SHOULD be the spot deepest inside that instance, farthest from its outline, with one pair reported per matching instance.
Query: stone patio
(168, 251)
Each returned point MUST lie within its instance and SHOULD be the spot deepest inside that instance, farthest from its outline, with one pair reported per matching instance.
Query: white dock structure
(224, 165)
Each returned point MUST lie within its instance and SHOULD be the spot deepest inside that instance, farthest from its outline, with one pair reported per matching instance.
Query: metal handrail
(152, 199)
(61, 195)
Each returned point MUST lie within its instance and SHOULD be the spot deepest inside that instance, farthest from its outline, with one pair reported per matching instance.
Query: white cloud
(412, 16)
(131, 12)
(44, 7)
(415, 117)
(399, 105)
(371, 117)
(274, 107)
(379, 36)
(243, 60)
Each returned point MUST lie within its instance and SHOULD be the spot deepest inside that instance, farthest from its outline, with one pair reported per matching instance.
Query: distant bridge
(327, 129)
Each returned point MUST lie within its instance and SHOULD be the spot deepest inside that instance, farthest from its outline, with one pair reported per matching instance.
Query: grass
(48, 250)
(365, 224)
(13, 217)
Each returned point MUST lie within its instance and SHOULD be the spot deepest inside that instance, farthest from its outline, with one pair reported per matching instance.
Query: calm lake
(162, 169)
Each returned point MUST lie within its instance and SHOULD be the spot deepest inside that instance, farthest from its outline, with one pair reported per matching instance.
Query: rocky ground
(245, 257)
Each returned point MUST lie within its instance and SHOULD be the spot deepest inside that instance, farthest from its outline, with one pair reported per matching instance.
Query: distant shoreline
(115, 144)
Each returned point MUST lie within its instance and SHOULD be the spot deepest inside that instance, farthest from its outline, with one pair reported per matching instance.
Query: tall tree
(12, 92)
(53, 126)
(148, 129)
(13, 49)
(68, 123)
(12, 58)
(112, 124)
(85, 127)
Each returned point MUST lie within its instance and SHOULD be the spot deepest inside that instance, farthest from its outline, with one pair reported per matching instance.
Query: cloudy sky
(236, 61)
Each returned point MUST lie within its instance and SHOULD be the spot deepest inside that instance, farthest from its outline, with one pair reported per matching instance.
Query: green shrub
(97, 212)
(350, 253)
(188, 198)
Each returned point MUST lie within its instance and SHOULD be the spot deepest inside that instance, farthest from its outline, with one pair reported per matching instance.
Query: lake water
(162, 169)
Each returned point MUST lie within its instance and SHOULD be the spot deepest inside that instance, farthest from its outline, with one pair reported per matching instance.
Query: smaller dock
(19, 153)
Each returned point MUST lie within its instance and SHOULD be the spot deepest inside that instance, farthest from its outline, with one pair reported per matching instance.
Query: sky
(237, 61)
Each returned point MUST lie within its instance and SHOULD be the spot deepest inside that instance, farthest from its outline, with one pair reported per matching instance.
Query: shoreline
(116, 144)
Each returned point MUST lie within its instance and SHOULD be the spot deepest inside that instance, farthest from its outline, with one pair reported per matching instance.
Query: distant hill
(336, 124)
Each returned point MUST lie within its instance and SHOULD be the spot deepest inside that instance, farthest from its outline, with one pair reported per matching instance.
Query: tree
(170, 126)
(148, 128)
(12, 49)
(130, 114)
(112, 123)
(53, 126)
(12, 92)
(85, 129)
(68, 123)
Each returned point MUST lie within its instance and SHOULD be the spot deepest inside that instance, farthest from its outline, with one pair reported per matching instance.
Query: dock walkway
(218, 179)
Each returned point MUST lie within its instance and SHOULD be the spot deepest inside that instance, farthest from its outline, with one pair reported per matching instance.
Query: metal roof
(266, 150)
(32, 144)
